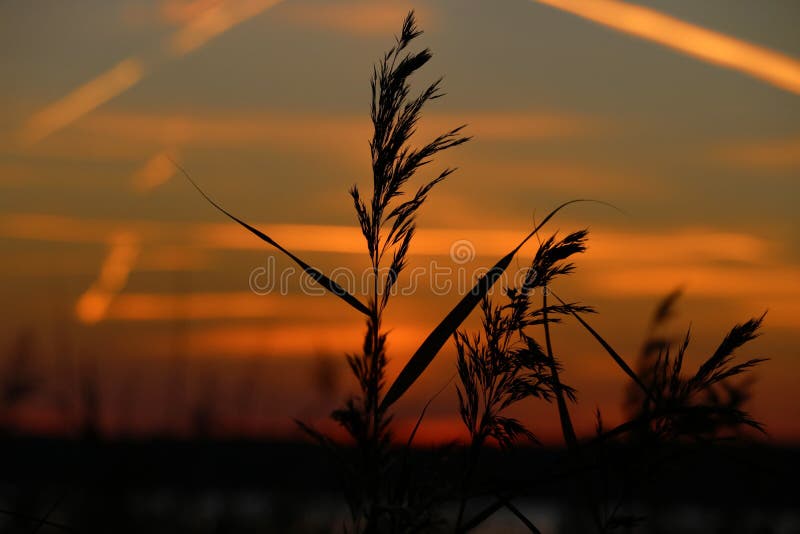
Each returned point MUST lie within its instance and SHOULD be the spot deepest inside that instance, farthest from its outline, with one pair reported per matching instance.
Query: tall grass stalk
(388, 225)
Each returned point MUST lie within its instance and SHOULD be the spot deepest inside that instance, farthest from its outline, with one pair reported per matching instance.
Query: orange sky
(683, 116)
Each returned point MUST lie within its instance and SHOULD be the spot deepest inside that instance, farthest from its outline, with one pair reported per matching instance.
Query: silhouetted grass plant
(510, 360)
(388, 225)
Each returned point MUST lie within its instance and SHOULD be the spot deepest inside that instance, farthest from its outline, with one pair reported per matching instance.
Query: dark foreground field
(51, 485)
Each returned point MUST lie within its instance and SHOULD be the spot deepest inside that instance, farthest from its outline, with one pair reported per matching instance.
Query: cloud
(156, 171)
(687, 245)
(200, 305)
(37, 262)
(373, 18)
(699, 280)
(302, 129)
(257, 129)
(181, 12)
(767, 65)
(127, 135)
(708, 262)
(82, 100)
(53, 228)
(93, 304)
(684, 245)
(774, 154)
(298, 340)
(194, 33)
(562, 176)
(211, 22)
(522, 125)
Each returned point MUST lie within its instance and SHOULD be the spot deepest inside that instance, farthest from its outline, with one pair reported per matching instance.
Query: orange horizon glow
(684, 117)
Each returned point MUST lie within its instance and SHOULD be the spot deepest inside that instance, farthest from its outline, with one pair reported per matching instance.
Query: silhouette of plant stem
(388, 227)
(567, 429)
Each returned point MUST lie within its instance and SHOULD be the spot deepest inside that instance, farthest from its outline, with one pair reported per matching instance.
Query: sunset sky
(683, 114)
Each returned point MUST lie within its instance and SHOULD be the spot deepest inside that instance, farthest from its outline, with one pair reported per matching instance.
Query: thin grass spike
(314, 273)
(609, 349)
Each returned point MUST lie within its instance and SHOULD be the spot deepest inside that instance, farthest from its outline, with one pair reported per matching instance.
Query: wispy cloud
(700, 280)
(266, 126)
(362, 18)
(352, 17)
(563, 176)
(676, 246)
(203, 306)
(774, 154)
(126, 136)
(713, 47)
(156, 171)
(528, 125)
(180, 12)
(256, 129)
(709, 262)
(215, 20)
(37, 262)
(93, 304)
(198, 30)
(82, 100)
(54, 228)
(297, 340)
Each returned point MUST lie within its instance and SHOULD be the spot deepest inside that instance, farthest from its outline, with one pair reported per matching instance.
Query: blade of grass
(484, 514)
(315, 274)
(44, 519)
(525, 521)
(425, 409)
(47, 522)
(410, 441)
(616, 357)
(563, 411)
(436, 340)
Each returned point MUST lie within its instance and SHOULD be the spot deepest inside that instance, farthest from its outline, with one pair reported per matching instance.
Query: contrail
(127, 73)
(93, 304)
(773, 67)
(155, 172)
(82, 100)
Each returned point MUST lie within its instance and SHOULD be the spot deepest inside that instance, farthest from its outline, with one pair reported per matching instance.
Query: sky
(682, 114)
